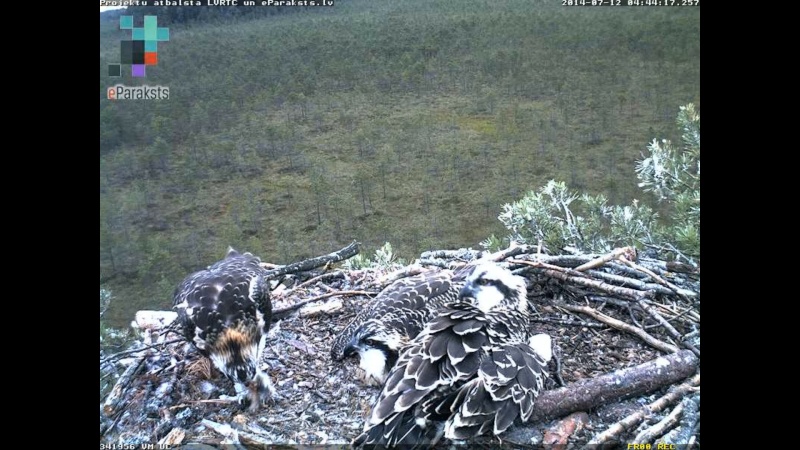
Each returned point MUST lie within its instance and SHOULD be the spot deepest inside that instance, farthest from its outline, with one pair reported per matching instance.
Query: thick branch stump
(624, 383)
(589, 393)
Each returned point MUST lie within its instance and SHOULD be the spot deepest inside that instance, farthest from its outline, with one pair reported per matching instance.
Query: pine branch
(668, 326)
(137, 350)
(614, 255)
(637, 417)
(308, 264)
(657, 430)
(324, 276)
(586, 394)
(570, 323)
(681, 292)
(414, 269)
(280, 313)
(630, 282)
(575, 277)
(620, 325)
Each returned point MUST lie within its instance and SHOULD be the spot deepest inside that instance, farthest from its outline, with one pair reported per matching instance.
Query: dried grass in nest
(200, 368)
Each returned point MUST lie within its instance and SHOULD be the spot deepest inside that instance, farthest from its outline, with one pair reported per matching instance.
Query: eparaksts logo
(121, 92)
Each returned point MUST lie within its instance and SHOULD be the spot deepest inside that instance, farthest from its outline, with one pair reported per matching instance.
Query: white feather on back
(542, 345)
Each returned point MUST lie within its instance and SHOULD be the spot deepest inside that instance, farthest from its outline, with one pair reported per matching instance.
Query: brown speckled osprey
(474, 369)
(393, 319)
(225, 312)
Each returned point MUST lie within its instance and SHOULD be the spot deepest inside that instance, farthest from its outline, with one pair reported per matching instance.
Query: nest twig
(638, 416)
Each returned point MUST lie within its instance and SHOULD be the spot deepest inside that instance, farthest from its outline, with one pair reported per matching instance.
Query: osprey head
(489, 286)
(377, 344)
(235, 354)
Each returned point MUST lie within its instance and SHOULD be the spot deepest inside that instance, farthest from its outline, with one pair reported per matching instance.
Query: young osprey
(225, 312)
(393, 318)
(470, 371)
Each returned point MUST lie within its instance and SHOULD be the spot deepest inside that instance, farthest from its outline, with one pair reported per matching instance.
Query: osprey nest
(625, 332)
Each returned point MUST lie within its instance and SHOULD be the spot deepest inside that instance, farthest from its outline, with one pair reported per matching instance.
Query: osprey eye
(370, 342)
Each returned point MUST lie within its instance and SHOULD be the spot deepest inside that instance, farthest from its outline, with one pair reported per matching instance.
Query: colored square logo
(125, 22)
(126, 52)
(141, 49)
(150, 27)
(137, 52)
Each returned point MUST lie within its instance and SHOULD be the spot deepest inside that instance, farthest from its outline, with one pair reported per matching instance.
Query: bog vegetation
(291, 133)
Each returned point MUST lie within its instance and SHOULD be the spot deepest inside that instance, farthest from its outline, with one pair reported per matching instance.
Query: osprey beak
(468, 291)
(351, 349)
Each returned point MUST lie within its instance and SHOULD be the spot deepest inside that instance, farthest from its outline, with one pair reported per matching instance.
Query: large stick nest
(626, 366)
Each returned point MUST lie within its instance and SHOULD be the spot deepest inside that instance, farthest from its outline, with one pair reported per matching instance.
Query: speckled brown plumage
(471, 371)
(395, 317)
(225, 311)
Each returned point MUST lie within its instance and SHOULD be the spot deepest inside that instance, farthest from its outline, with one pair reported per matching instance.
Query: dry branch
(545, 265)
(210, 400)
(251, 440)
(624, 383)
(597, 262)
(464, 254)
(513, 250)
(451, 259)
(325, 308)
(173, 438)
(658, 405)
(414, 269)
(437, 263)
(663, 267)
(280, 313)
(610, 300)
(572, 261)
(574, 277)
(308, 264)
(675, 266)
(570, 323)
(690, 314)
(599, 285)
(327, 288)
(690, 424)
(667, 326)
(658, 279)
(630, 282)
(475, 257)
(137, 350)
(651, 433)
(224, 429)
(620, 325)
(324, 276)
(115, 396)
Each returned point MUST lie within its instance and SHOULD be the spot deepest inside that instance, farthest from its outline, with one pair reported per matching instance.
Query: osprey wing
(221, 296)
(509, 379)
(433, 367)
(409, 301)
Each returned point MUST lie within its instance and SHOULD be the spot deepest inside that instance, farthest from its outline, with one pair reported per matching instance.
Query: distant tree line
(404, 122)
